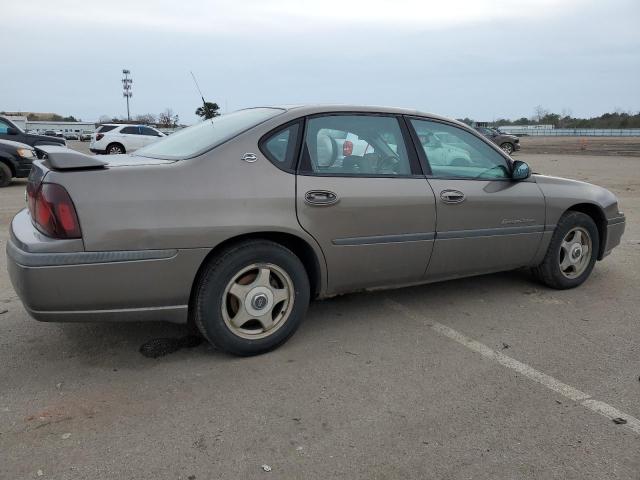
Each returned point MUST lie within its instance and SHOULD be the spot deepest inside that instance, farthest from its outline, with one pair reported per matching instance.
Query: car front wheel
(251, 298)
(507, 148)
(572, 253)
(5, 175)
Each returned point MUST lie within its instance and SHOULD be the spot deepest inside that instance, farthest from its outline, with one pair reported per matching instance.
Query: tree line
(541, 116)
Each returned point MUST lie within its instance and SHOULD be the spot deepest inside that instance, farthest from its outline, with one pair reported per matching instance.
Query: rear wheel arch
(597, 215)
(300, 247)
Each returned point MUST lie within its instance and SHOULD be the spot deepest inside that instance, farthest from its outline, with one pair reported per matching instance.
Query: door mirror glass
(521, 170)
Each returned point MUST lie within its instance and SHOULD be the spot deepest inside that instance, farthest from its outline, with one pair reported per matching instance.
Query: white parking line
(551, 383)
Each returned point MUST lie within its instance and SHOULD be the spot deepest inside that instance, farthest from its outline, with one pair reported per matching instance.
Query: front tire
(5, 175)
(572, 253)
(507, 148)
(251, 298)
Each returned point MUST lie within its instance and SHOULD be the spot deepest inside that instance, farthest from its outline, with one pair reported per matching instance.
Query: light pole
(126, 89)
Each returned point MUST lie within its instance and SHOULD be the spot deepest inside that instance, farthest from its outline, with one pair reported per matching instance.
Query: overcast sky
(477, 58)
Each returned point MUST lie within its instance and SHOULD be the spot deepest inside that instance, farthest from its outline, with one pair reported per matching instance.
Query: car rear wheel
(507, 148)
(572, 253)
(5, 175)
(251, 298)
(115, 149)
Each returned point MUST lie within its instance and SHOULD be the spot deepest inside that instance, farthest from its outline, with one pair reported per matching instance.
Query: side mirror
(12, 131)
(521, 170)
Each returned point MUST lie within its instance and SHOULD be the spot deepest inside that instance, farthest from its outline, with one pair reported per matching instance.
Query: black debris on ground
(619, 421)
(159, 347)
(505, 346)
(4, 310)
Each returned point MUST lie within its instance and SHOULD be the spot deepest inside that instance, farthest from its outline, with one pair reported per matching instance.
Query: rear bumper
(516, 146)
(65, 286)
(615, 230)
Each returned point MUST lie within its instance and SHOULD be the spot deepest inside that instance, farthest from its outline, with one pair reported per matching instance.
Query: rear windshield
(207, 134)
(106, 128)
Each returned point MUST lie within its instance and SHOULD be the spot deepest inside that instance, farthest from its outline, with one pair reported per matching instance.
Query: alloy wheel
(575, 252)
(257, 301)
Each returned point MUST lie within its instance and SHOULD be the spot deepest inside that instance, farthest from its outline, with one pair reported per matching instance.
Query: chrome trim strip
(616, 220)
(490, 232)
(27, 259)
(372, 240)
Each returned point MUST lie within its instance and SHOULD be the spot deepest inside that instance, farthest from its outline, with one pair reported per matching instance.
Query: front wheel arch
(597, 215)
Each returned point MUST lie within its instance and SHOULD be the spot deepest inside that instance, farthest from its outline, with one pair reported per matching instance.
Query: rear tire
(115, 149)
(572, 253)
(5, 175)
(251, 297)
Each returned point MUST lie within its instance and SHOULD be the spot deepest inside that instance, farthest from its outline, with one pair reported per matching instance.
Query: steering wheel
(389, 163)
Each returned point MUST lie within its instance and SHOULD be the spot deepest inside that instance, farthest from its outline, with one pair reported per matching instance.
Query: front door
(359, 196)
(486, 221)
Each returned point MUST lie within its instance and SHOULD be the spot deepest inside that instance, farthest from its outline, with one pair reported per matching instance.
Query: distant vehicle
(86, 135)
(71, 136)
(113, 139)
(10, 131)
(15, 161)
(508, 143)
(233, 224)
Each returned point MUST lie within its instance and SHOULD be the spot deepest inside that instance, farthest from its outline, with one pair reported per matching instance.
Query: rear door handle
(452, 196)
(320, 197)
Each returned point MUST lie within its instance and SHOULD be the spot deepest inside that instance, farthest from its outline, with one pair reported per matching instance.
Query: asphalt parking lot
(493, 377)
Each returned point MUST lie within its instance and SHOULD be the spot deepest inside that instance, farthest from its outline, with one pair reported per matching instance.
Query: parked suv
(508, 143)
(15, 161)
(10, 131)
(113, 139)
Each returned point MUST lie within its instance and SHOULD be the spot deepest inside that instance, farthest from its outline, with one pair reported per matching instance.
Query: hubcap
(507, 148)
(575, 252)
(257, 301)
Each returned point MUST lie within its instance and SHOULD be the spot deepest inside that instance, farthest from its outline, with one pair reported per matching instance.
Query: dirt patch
(627, 146)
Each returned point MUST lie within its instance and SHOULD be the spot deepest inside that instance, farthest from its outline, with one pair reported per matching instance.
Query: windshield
(204, 136)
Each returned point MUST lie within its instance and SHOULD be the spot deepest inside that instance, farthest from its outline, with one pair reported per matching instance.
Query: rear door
(486, 221)
(370, 209)
(131, 138)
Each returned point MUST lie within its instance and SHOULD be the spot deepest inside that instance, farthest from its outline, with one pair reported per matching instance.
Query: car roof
(311, 109)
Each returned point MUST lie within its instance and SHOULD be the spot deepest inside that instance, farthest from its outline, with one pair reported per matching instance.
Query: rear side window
(280, 147)
(130, 130)
(361, 145)
(105, 128)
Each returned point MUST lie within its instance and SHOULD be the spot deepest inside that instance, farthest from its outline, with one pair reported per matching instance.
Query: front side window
(208, 134)
(130, 131)
(455, 153)
(367, 145)
(149, 132)
(4, 127)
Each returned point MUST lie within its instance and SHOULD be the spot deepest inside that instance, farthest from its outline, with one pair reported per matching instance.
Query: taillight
(99, 136)
(53, 211)
(347, 148)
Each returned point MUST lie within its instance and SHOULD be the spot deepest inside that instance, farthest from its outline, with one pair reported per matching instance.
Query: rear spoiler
(63, 158)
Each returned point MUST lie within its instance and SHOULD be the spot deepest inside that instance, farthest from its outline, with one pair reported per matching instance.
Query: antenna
(198, 87)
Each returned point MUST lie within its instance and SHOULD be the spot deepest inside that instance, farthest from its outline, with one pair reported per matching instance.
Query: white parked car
(113, 139)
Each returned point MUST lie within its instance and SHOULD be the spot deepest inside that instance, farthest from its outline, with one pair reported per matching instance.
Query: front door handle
(320, 197)
(452, 196)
